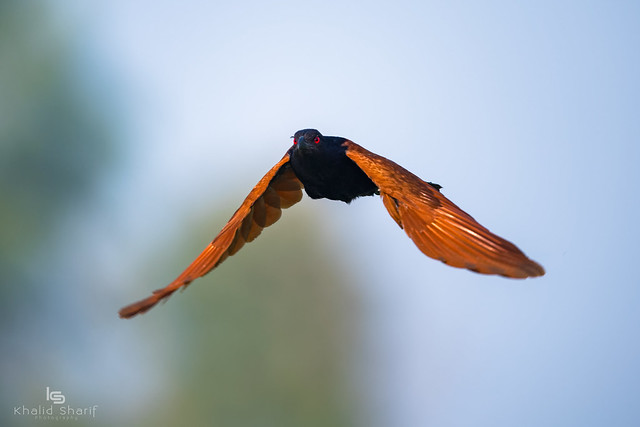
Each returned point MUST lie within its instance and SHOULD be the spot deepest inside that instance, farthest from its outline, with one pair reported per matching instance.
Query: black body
(324, 169)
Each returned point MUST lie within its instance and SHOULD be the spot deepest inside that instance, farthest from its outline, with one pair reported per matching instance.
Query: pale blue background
(527, 113)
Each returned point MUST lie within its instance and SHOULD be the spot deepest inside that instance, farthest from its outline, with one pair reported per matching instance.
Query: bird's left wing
(277, 190)
(438, 227)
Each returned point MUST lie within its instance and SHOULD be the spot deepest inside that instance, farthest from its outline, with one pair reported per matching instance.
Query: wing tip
(146, 304)
(534, 269)
(528, 269)
(138, 307)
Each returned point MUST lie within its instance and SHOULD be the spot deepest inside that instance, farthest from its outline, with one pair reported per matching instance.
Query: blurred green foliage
(265, 340)
(54, 141)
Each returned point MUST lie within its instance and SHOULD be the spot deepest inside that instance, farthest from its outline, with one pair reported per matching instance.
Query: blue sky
(526, 112)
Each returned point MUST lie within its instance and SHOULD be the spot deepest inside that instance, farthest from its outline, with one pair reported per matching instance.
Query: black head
(307, 138)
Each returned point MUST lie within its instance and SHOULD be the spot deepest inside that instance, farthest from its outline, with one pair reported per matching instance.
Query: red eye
(317, 140)
(295, 141)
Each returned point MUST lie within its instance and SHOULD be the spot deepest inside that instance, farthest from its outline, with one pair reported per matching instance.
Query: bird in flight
(336, 168)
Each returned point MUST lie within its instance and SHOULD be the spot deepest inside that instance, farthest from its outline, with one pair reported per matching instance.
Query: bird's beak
(304, 144)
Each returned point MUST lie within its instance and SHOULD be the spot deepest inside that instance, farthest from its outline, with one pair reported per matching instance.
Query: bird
(336, 168)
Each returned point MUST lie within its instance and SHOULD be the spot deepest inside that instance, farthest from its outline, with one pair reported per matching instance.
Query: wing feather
(277, 190)
(439, 228)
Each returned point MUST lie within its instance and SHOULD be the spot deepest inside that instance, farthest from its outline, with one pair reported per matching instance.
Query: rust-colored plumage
(277, 190)
(338, 169)
(436, 225)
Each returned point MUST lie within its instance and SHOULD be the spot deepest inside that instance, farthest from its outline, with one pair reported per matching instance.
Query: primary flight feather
(335, 168)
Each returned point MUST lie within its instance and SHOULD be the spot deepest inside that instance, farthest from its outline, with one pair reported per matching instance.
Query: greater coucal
(335, 168)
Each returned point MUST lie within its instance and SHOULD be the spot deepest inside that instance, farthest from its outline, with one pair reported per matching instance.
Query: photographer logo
(55, 409)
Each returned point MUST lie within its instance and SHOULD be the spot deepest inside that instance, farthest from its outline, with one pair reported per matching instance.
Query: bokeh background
(131, 131)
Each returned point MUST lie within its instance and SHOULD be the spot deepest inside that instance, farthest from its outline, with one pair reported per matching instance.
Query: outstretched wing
(277, 190)
(439, 228)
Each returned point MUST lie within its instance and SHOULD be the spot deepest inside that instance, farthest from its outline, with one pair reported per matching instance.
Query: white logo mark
(55, 396)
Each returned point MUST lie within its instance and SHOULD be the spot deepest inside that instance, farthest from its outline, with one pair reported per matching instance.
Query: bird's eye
(295, 141)
(317, 140)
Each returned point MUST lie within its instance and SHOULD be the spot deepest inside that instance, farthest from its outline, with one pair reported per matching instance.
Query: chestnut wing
(277, 190)
(439, 228)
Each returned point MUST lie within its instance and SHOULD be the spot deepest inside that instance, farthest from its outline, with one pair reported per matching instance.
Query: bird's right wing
(277, 190)
(439, 228)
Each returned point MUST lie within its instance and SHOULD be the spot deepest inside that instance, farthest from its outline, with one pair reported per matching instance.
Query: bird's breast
(330, 174)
